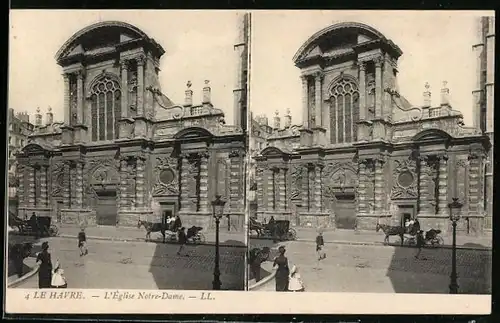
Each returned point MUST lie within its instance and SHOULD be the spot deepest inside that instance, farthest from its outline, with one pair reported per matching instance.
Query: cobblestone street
(139, 265)
(353, 268)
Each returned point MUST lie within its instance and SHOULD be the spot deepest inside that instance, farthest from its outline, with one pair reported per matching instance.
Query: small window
(434, 112)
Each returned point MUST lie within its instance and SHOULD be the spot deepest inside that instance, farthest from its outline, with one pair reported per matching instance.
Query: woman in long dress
(45, 270)
(282, 272)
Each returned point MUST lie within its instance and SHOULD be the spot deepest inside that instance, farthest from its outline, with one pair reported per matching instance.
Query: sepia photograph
(127, 150)
(371, 142)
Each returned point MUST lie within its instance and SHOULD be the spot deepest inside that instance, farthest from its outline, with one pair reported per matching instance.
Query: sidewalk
(234, 239)
(375, 238)
(30, 269)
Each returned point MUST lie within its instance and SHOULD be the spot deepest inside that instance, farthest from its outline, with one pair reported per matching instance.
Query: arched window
(105, 109)
(344, 111)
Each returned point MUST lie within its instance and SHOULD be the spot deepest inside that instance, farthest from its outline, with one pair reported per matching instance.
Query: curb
(392, 245)
(263, 281)
(24, 277)
(144, 241)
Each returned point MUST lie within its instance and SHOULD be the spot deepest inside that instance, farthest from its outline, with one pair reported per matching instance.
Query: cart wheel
(292, 234)
(202, 238)
(439, 241)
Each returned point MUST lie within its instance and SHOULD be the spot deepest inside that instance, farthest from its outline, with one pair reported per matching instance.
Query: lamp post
(455, 209)
(217, 211)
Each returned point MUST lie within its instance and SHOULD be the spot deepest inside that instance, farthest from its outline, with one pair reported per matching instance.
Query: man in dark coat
(34, 225)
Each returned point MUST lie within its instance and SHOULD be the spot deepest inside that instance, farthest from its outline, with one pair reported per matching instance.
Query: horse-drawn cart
(40, 226)
(408, 234)
(276, 229)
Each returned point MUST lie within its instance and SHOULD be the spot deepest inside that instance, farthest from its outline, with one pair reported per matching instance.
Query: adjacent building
(125, 152)
(364, 154)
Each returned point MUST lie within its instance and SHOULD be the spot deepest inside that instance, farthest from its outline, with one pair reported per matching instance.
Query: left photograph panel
(126, 143)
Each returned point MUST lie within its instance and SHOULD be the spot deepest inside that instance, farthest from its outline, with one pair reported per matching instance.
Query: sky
(198, 46)
(437, 47)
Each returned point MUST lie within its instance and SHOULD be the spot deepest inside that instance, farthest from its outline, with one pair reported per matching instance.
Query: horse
(391, 231)
(152, 227)
(256, 226)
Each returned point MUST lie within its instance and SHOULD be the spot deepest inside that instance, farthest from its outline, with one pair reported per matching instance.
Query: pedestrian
(58, 278)
(295, 283)
(256, 257)
(177, 222)
(420, 243)
(82, 242)
(182, 240)
(45, 270)
(320, 243)
(282, 272)
(34, 225)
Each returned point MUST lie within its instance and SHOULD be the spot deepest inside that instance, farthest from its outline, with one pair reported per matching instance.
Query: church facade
(363, 154)
(125, 152)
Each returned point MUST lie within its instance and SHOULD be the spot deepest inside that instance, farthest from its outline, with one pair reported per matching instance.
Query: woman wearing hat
(282, 272)
(45, 270)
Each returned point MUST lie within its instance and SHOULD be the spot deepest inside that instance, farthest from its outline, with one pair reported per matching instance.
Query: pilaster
(43, 187)
(306, 189)
(318, 80)
(424, 201)
(79, 184)
(379, 184)
(124, 97)
(31, 186)
(443, 185)
(363, 206)
(282, 205)
(79, 96)
(123, 182)
(67, 187)
(66, 106)
(204, 203)
(235, 183)
(260, 186)
(21, 169)
(185, 201)
(139, 191)
(305, 107)
(318, 169)
(362, 90)
(378, 87)
(474, 183)
(271, 201)
(140, 85)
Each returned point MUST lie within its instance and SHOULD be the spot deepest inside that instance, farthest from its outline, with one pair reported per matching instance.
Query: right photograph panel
(371, 152)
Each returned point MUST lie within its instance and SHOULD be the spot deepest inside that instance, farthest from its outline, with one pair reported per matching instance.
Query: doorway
(406, 212)
(106, 208)
(345, 211)
(167, 211)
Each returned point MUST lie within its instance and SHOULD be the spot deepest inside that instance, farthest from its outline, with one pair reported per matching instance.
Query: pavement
(371, 237)
(377, 269)
(140, 265)
(230, 238)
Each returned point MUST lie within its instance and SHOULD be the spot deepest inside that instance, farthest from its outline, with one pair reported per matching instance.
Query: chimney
(206, 93)
(288, 119)
(445, 94)
(276, 120)
(427, 96)
(50, 117)
(38, 118)
(188, 99)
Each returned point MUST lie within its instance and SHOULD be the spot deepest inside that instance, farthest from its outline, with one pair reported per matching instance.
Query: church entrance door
(345, 211)
(106, 208)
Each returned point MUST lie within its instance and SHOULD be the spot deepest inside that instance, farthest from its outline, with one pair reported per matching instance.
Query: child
(82, 242)
(182, 240)
(58, 279)
(295, 283)
(420, 243)
(319, 248)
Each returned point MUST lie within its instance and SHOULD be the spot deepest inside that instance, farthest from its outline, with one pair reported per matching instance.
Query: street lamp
(217, 211)
(455, 209)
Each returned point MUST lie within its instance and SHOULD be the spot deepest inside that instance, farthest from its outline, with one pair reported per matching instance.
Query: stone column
(185, 201)
(378, 87)
(312, 188)
(306, 189)
(362, 193)
(424, 202)
(318, 99)
(20, 189)
(79, 97)
(31, 186)
(474, 183)
(362, 91)
(386, 84)
(281, 180)
(140, 85)
(79, 184)
(305, 106)
(124, 79)
(260, 186)
(234, 181)
(204, 202)
(139, 192)
(66, 107)
(443, 185)
(123, 182)
(271, 197)
(43, 186)
(67, 187)
(379, 184)
(318, 169)
(73, 183)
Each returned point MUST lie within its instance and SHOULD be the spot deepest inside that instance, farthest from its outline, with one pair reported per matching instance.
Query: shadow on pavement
(430, 273)
(17, 242)
(195, 272)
